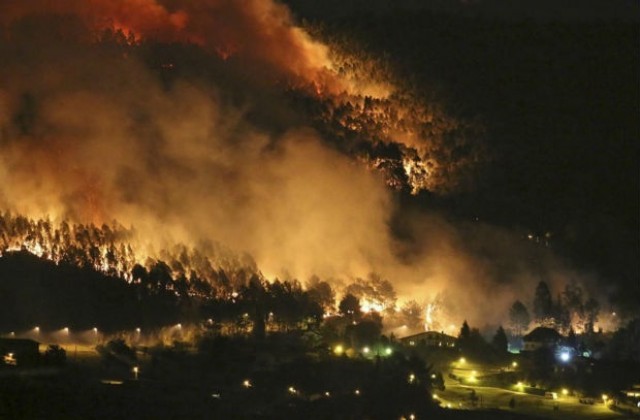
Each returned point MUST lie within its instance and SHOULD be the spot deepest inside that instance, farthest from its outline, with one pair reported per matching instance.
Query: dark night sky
(556, 85)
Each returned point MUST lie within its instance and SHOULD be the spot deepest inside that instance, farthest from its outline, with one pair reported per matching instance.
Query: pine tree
(542, 303)
(519, 318)
(500, 341)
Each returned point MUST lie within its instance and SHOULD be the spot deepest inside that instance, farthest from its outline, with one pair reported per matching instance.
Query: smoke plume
(97, 126)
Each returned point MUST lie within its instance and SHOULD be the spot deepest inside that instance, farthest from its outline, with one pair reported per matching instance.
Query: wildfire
(367, 306)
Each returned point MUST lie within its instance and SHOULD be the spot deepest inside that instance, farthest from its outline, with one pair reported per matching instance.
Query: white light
(565, 356)
(365, 350)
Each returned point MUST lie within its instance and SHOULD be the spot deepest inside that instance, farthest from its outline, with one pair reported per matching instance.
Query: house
(19, 351)
(541, 337)
(430, 339)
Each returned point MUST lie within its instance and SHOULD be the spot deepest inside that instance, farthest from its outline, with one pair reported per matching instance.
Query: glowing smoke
(90, 132)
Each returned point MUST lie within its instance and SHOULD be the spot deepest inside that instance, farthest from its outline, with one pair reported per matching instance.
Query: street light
(565, 391)
(135, 372)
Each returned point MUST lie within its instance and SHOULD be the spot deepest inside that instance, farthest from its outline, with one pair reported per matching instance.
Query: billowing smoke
(95, 127)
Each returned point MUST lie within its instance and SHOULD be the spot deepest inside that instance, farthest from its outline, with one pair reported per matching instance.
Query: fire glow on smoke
(175, 119)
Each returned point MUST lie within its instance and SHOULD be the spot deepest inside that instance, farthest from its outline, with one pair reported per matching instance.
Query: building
(19, 351)
(430, 339)
(541, 337)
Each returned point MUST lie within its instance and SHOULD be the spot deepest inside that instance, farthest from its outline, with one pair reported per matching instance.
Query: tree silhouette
(519, 318)
(350, 307)
(500, 341)
(465, 331)
(542, 303)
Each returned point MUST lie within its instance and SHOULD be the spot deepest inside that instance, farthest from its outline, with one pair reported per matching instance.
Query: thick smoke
(90, 132)
(260, 33)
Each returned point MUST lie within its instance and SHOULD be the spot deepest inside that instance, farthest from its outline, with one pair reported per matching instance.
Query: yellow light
(357, 392)
(246, 383)
(565, 391)
(388, 351)
(293, 390)
(473, 372)
(605, 397)
(433, 376)
(435, 396)
(463, 360)
(365, 350)
(338, 349)
(327, 394)
(514, 364)
(412, 378)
